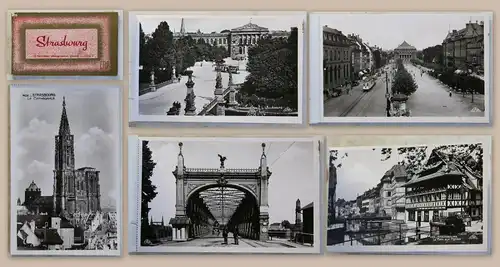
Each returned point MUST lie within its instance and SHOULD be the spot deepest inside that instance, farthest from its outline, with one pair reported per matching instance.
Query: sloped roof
(40, 220)
(397, 170)
(405, 45)
(33, 187)
(49, 236)
(310, 205)
(250, 27)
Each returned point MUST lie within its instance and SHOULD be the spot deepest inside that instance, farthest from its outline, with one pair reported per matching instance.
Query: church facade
(76, 191)
(237, 40)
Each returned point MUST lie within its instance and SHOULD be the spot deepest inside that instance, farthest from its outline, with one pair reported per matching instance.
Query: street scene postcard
(237, 67)
(429, 198)
(64, 43)
(402, 67)
(65, 171)
(204, 196)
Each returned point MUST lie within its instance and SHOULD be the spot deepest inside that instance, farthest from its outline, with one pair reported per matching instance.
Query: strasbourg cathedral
(76, 191)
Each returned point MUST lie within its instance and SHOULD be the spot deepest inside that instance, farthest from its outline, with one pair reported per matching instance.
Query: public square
(159, 101)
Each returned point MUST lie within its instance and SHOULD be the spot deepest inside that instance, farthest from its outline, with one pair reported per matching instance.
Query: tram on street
(368, 84)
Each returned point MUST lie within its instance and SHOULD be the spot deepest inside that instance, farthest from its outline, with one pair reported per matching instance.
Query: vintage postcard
(234, 67)
(201, 195)
(64, 43)
(401, 67)
(428, 198)
(65, 171)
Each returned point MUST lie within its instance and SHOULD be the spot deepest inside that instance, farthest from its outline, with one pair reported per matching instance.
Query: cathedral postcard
(65, 170)
(225, 195)
(217, 67)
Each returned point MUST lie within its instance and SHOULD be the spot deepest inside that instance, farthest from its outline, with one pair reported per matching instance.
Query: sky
(216, 23)
(389, 30)
(93, 117)
(292, 168)
(362, 169)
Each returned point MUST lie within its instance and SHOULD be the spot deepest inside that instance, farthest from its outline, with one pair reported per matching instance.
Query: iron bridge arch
(212, 198)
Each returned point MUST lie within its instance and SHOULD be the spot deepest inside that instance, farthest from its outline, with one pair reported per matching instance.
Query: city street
(217, 241)
(158, 102)
(430, 100)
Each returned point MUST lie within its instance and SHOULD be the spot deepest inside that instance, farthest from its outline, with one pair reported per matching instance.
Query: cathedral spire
(64, 124)
(183, 29)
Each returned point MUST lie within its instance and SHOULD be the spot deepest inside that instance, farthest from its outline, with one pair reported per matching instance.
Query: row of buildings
(443, 187)
(347, 58)
(464, 48)
(237, 40)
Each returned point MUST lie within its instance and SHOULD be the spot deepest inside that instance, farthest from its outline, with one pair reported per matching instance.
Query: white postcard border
(484, 248)
(13, 185)
(318, 212)
(135, 116)
(316, 105)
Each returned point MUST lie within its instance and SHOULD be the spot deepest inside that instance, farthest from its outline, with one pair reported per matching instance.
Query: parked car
(337, 92)
(452, 225)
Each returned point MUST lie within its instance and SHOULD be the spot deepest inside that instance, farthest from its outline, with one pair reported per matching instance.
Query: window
(411, 216)
(388, 193)
(426, 216)
(435, 216)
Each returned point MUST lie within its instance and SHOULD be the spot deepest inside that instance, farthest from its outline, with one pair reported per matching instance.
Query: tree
(161, 49)
(142, 47)
(286, 224)
(144, 60)
(273, 69)
(403, 82)
(148, 189)
(413, 158)
(433, 54)
(377, 59)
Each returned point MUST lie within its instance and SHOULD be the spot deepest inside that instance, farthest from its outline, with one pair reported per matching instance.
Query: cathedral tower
(64, 167)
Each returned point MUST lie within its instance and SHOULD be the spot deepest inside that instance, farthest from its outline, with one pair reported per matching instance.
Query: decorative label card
(65, 43)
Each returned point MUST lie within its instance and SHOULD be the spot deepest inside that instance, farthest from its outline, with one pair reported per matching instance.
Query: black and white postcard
(429, 198)
(217, 67)
(401, 67)
(65, 170)
(225, 195)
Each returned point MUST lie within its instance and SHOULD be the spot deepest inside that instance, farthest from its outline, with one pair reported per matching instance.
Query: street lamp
(387, 96)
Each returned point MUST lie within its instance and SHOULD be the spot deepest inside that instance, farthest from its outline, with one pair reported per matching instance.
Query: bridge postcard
(431, 196)
(65, 170)
(225, 195)
(217, 67)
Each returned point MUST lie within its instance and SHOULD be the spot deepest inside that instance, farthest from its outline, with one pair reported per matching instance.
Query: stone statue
(222, 159)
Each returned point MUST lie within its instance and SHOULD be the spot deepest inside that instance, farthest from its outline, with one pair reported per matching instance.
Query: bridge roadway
(218, 241)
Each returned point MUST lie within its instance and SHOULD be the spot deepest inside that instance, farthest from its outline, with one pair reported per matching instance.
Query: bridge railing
(400, 235)
(303, 238)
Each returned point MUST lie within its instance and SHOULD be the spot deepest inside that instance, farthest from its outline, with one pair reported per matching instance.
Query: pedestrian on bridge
(224, 235)
(236, 235)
